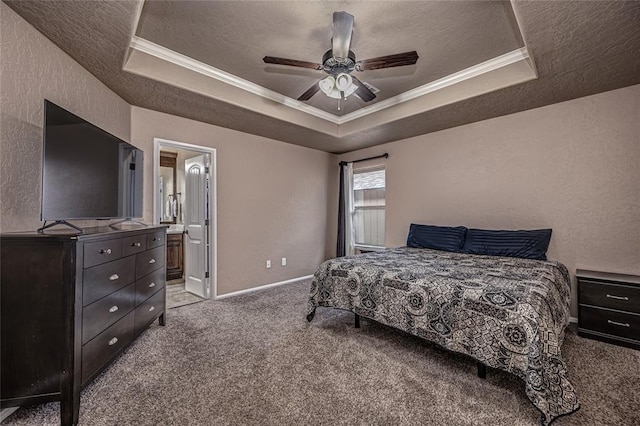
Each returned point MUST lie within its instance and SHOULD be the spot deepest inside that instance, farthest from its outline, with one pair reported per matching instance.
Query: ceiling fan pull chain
(338, 104)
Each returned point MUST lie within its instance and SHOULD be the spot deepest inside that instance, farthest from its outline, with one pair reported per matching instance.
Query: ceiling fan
(339, 62)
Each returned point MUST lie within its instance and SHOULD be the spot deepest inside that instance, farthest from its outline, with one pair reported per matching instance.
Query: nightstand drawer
(610, 322)
(101, 314)
(105, 279)
(102, 252)
(606, 295)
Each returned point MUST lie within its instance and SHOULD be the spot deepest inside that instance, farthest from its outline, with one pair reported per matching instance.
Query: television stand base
(59, 222)
(121, 221)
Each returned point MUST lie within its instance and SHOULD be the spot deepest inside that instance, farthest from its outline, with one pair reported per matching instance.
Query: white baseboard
(262, 287)
(573, 320)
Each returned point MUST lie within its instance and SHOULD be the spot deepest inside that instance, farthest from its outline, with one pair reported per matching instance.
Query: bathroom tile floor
(178, 296)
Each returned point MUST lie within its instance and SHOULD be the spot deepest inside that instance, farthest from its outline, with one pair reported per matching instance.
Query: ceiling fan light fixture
(338, 87)
(340, 61)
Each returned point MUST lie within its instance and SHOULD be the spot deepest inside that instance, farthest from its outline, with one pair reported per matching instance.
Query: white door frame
(158, 145)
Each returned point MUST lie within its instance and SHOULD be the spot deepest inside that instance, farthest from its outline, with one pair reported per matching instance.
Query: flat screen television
(87, 172)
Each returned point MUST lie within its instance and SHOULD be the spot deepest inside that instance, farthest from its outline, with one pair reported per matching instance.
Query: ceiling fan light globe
(335, 94)
(350, 90)
(327, 84)
(338, 94)
(343, 82)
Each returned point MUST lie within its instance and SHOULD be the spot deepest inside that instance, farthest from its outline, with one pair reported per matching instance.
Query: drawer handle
(113, 309)
(152, 285)
(135, 244)
(610, 296)
(152, 261)
(105, 251)
(113, 341)
(113, 277)
(151, 309)
(621, 324)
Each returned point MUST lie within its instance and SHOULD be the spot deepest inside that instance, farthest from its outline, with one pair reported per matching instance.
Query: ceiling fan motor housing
(334, 66)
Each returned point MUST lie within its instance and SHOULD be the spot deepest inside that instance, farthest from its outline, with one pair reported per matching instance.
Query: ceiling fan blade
(397, 60)
(342, 28)
(310, 92)
(291, 62)
(363, 91)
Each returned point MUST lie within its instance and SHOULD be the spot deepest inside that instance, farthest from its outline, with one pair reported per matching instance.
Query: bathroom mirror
(168, 178)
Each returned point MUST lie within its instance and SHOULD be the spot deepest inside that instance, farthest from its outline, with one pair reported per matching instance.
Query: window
(369, 205)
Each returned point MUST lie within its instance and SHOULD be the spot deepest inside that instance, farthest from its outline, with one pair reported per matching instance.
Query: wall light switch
(284, 261)
(268, 264)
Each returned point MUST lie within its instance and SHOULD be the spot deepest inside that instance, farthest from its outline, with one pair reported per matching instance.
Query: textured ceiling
(579, 48)
(235, 36)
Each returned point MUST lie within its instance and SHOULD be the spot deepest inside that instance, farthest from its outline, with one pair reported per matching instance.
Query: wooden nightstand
(609, 307)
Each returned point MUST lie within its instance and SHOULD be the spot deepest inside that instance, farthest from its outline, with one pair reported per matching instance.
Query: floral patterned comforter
(507, 313)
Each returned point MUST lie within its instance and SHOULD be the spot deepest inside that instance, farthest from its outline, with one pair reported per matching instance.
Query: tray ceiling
(235, 36)
(174, 57)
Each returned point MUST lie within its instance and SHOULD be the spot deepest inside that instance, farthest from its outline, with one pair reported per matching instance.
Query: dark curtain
(340, 247)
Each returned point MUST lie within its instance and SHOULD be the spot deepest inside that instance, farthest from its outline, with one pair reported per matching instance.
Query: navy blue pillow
(531, 244)
(445, 238)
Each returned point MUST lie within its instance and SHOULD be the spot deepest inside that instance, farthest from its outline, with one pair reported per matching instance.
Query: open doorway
(184, 199)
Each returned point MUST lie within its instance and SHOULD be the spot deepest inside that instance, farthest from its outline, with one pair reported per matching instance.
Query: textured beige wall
(33, 69)
(272, 198)
(573, 167)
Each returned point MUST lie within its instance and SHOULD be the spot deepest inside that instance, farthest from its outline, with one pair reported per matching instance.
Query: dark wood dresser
(609, 307)
(70, 304)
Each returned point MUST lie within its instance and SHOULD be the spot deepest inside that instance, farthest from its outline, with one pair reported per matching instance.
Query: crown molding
(145, 46)
(450, 80)
(498, 64)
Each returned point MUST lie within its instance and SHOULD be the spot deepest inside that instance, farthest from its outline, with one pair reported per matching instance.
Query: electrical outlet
(268, 264)
(284, 261)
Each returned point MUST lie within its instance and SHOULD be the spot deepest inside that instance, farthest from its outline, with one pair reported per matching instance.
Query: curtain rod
(385, 155)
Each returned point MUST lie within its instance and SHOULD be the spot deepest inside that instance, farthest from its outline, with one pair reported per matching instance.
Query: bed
(507, 313)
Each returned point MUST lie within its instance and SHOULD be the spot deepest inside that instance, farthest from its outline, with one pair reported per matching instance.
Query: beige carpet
(254, 360)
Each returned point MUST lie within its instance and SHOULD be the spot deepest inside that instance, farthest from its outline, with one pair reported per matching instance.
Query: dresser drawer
(610, 322)
(99, 315)
(133, 245)
(149, 284)
(149, 261)
(606, 295)
(105, 279)
(156, 239)
(149, 310)
(100, 350)
(102, 252)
